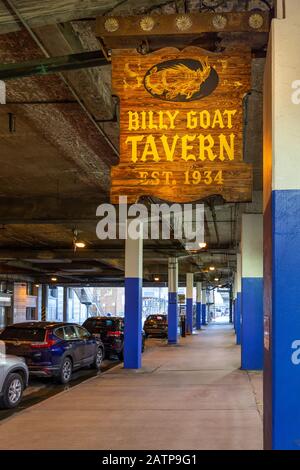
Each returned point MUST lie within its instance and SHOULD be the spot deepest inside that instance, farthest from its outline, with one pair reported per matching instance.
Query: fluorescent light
(80, 244)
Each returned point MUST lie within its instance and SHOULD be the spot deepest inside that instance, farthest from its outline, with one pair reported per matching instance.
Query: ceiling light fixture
(202, 245)
(212, 268)
(54, 279)
(80, 244)
(77, 243)
(156, 278)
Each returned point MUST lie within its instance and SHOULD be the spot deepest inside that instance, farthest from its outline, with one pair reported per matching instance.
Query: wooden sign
(181, 125)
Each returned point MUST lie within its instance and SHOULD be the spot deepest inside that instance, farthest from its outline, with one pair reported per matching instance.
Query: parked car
(13, 380)
(111, 332)
(53, 349)
(156, 325)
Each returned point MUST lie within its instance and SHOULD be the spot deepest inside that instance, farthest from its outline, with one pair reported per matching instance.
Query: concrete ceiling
(59, 137)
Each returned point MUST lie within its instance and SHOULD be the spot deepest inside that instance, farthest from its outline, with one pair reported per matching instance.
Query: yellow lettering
(172, 117)
(161, 121)
(204, 119)
(185, 147)
(150, 149)
(218, 120)
(133, 120)
(228, 147)
(205, 147)
(191, 120)
(133, 140)
(155, 176)
(168, 175)
(230, 115)
(151, 121)
(143, 118)
(169, 151)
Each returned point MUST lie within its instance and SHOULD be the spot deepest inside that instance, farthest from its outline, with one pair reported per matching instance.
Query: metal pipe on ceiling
(51, 65)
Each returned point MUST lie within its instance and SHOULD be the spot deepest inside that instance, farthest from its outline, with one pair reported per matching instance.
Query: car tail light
(45, 344)
(114, 334)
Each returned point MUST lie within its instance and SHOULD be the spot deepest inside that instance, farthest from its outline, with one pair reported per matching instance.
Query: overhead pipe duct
(52, 65)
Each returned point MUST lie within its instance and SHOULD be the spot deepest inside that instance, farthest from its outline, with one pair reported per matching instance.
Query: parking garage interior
(214, 373)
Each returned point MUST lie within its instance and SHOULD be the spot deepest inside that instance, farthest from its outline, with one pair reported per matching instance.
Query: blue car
(53, 349)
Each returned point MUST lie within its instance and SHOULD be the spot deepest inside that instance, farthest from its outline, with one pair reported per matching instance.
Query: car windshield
(23, 334)
(101, 323)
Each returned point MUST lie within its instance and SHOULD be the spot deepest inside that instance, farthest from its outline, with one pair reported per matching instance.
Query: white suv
(13, 379)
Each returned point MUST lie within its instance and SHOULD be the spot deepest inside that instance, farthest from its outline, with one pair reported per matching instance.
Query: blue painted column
(252, 292)
(203, 309)
(173, 302)
(189, 302)
(238, 303)
(282, 233)
(234, 300)
(198, 305)
(133, 303)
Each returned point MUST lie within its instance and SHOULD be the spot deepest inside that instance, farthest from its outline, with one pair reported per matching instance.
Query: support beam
(238, 305)
(252, 292)
(198, 305)
(282, 233)
(230, 305)
(189, 302)
(173, 304)
(45, 295)
(203, 309)
(133, 303)
(65, 304)
(38, 13)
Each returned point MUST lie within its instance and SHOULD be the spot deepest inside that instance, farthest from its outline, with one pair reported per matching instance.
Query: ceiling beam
(40, 13)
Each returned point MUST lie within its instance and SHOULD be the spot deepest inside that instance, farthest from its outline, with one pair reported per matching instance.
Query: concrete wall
(20, 301)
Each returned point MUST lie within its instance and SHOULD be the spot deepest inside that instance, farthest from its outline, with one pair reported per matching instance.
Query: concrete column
(45, 295)
(234, 293)
(230, 305)
(252, 292)
(189, 302)
(203, 309)
(133, 303)
(238, 303)
(173, 304)
(282, 233)
(198, 305)
(65, 304)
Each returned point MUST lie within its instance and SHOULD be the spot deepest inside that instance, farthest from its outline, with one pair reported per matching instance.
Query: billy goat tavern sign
(181, 125)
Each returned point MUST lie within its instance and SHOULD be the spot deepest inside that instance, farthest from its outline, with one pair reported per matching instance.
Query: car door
(74, 344)
(89, 345)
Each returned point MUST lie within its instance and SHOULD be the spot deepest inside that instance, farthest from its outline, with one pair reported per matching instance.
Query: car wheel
(12, 391)
(65, 372)
(98, 359)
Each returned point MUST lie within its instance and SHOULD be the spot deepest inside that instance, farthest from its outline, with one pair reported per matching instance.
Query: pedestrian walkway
(190, 396)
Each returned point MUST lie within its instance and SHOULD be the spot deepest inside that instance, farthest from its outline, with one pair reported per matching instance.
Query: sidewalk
(191, 396)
